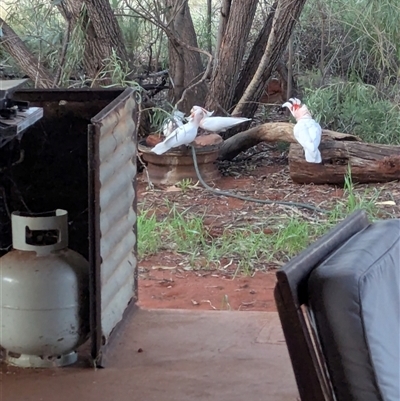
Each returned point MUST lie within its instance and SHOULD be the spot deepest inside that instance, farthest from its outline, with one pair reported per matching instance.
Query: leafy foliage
(39, 25)
(350, 38)
(357, 108)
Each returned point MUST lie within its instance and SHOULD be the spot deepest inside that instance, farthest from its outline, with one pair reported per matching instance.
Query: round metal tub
(177, 164)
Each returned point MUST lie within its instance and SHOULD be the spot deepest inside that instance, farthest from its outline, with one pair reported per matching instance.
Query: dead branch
(270, 132)
(369, 162)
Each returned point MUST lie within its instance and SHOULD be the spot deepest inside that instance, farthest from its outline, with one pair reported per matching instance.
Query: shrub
(356, 108)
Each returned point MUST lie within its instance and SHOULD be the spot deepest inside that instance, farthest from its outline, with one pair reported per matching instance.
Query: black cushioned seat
(354, 296)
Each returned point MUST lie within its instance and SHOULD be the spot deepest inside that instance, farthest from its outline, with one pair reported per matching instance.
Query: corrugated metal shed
(112, 183)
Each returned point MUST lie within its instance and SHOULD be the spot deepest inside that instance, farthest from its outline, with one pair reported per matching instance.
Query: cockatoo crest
(297, 109)
(206, 112)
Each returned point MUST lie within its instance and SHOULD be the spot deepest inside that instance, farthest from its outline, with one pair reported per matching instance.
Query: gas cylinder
(44, 293)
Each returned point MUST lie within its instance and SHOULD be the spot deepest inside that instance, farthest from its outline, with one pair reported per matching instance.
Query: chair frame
(291, 294)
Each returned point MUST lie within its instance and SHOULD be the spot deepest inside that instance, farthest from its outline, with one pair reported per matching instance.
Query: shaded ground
(167, 280)
(172, 355)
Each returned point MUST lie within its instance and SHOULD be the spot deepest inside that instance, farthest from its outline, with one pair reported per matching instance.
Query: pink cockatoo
(306, 131)
(182, 135)
(173, 122)
(218, 124)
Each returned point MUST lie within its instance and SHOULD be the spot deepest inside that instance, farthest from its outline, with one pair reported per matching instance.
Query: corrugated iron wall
(114, 197)
(102, 215)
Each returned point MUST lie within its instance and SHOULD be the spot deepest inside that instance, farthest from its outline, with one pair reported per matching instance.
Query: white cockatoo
(183, 135)
(218, 124)
(306, 131)
(173, 122)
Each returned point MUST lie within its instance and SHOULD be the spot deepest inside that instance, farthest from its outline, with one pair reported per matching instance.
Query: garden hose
(245, 198)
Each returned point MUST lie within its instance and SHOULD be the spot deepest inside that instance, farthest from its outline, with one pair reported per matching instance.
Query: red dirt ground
(164, 280)
(206, 290)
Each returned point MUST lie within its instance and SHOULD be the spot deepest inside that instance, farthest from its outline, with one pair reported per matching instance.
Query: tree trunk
(286, 75)
(103, 37)
(368, 162)
(223, 20)
(101, 30)
(252, 62)
(289, 12)
(70, 9)
(28, 63)
(230, 56)
(271, 132)
(185, 66)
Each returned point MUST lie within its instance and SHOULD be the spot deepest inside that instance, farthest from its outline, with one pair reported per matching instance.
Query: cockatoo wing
(218, 124)
(183, 135)
(172, 123)
(170, 126)
(308, 133)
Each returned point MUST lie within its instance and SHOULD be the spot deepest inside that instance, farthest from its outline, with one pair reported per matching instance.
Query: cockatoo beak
(288, 105)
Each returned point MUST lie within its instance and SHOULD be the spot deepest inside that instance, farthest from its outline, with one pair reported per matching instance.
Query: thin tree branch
(225, 10)
(209, 23)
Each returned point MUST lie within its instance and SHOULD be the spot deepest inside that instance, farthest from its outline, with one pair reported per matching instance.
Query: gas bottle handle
(28, 227)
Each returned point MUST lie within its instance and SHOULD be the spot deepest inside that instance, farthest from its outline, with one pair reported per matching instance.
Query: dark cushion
(355, 302)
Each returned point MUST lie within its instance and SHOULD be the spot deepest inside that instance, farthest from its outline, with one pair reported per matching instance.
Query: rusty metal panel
(112, 194)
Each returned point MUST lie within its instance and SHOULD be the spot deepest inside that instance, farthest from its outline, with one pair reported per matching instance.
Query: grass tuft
(249, 246)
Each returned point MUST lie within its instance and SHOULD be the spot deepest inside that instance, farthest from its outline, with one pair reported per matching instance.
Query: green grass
(246, 245)
(295, 235)
(150, 241)
(249, 246)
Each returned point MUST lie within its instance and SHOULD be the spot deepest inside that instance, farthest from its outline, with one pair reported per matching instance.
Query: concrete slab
(186, 355)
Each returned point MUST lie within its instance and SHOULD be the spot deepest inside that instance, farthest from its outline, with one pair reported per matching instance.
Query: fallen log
(270, 132)
(369, 163)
